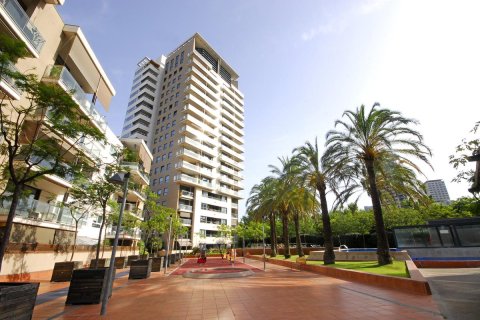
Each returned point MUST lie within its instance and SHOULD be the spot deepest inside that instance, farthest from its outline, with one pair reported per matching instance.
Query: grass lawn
(397, 269)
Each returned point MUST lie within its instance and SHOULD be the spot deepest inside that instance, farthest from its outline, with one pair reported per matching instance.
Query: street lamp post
(118, 178)
(263, 235)
(168, 247)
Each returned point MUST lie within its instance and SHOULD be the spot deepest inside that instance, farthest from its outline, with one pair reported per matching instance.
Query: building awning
(84, 65)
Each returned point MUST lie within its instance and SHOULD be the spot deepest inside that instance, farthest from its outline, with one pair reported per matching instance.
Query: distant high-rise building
(438, 191)
(189, 110)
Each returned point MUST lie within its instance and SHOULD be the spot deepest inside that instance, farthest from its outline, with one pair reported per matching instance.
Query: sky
(303, 63)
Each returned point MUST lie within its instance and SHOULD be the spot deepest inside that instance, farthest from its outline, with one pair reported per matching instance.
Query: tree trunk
(329, 255)
(97, 253)
(273, 236)
(383, 250)
(9, 223)
(74, 240)
(286, 240)
(296, 220)
(104, 238)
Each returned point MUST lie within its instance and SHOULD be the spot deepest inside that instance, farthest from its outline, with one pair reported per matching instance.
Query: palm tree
(261, 204)
(303, 203)
(364, 140)
(320, 176)
(288, 183)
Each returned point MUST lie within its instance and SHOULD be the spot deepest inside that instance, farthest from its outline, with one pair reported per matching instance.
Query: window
(155, 171)
(172, 133)
(167, 179)
(158, 122)
(160, 138)
(155, 140)
(162, 168)
(165, 146)
(181, 57)
(171, 144)
(164, 156)
(169, 165)
(161, 129)
(165, 191)
(168, 125)
(159, 192)
(169, 154)
(160, 180)
(178, 86)
(156, 131)
(164, 203)
(154, 182)
(175, 112)
(177, 95)
(169, 116)
(157, 160)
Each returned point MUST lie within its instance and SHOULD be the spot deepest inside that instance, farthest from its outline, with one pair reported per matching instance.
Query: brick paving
(278, 293)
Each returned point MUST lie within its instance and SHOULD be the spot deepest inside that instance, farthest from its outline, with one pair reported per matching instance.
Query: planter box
(17, 300)
(120, 262)
(87, 286)
(132, 258)
(143, 256)
(171, 259)
(62, 271)
(140, 269)
(102, 263)
(157, 264)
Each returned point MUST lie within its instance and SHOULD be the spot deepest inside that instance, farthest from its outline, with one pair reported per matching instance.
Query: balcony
(137, 170)
(124, 234)
(184, 207)
(196, 122)
(194, 155)
(234, 206)
(200, 113)
(19, 22)
(186, 222)
(7, 84)
(231, 162)
(193, 180)
(189, 130)
(234, 144)
(38, 212)
(191, 168)
(231, 171)
(186, 194)
(232, 153)
(61, 76)
(196, 144)
(232, 182)
(229, 132)
(229, 192)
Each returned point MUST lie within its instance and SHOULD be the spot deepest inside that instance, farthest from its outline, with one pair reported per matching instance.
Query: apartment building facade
(438, 191)
(196, 135)
(59, 54)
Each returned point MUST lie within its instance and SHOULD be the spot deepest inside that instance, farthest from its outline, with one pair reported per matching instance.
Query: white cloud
(339, 23)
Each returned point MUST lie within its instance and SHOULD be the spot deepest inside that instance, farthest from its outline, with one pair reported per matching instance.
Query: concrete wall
(24, 263)
(445, 252)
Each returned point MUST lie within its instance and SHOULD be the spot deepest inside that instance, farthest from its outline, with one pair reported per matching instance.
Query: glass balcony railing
(22, 21)
(185, 207)
(135, 166)
(39, 211)
(61, 75)
(186, 221)
(11, 83)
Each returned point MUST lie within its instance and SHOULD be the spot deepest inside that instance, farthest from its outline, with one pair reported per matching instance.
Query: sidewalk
(278, 293)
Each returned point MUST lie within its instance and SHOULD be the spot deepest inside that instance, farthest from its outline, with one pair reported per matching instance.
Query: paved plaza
(278, 293)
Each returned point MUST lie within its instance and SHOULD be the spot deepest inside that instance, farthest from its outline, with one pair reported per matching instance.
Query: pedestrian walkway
(278, 293)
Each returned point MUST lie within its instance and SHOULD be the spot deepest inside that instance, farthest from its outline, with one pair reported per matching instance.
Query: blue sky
(302, 63)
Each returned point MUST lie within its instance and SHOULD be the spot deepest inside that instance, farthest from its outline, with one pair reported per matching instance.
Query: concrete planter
(132, 258)
(157, 264)
(120, 262)
(62, 271)
(102, 263)
(17, 300)
(87, 286)
(140, 269)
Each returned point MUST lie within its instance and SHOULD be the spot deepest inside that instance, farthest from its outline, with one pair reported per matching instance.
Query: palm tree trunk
(273, 236)
(296, 220)
(9, 223)
(286, 240)
(383, 250)
(329, 255)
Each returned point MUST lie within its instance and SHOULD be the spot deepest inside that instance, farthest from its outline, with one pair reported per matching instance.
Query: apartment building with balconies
(59, 54)
(196, 137)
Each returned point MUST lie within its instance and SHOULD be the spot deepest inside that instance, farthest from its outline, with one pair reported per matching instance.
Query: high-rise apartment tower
(438, 191)
(189, 110)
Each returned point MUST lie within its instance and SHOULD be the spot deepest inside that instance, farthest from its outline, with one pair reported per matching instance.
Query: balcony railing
(188, 222)
(8, 80)
(61, 75)
(185, 207)
(39, 211)
(22, 21)
(186, 193)
(136, 167)
(187, 178)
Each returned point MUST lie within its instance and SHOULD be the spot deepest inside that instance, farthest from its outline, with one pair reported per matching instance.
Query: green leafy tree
(365, 139)
(38, 132)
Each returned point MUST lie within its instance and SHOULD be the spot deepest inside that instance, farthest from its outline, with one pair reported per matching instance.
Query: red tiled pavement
(213, 263)
(279, 293)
